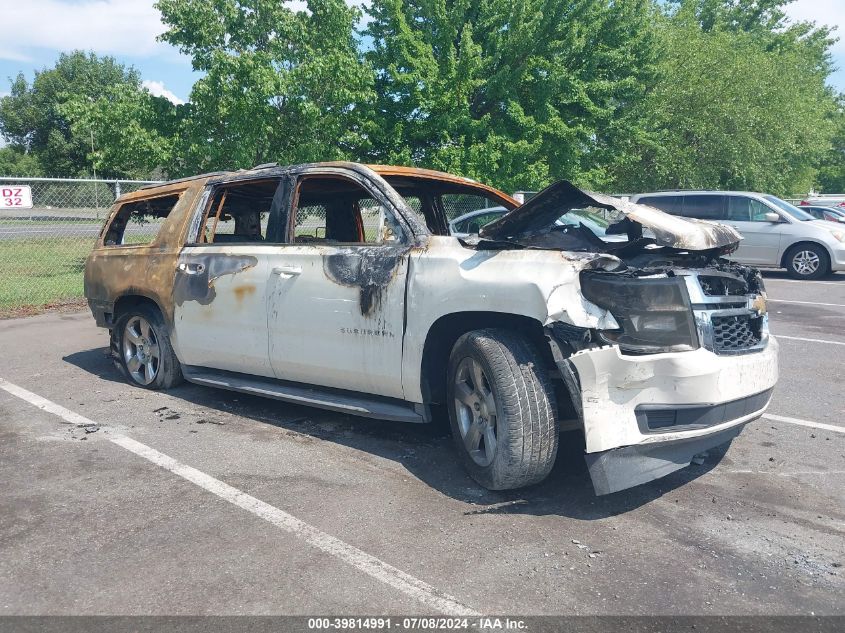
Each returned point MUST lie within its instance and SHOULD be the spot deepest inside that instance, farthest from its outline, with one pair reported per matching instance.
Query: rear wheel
(501, 409)
(807, 261)
(146, 355)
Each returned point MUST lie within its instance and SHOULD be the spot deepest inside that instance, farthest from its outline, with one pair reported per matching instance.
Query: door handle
(192, 269)
(287, 270)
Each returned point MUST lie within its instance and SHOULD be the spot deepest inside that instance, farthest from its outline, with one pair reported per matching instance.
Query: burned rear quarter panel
(147, 270)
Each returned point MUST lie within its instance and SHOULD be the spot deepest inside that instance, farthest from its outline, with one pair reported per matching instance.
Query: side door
(761, 238)
(220, 292)
(337, 294)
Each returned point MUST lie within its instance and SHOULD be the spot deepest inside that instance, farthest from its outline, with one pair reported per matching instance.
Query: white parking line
(808, 303)
(799, 422)
(808, 340)
(807, 281)
(370, 565)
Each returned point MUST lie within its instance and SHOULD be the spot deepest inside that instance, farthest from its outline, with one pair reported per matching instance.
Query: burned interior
(240, 214)
(146, 213)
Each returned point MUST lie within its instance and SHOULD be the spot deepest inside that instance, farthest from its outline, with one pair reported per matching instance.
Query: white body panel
(227, 329)
(612, 385)
(446, 278)
(318, 332)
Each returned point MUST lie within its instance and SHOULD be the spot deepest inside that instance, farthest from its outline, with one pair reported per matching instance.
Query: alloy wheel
(805, 262)
(475, 405)
(141, 350)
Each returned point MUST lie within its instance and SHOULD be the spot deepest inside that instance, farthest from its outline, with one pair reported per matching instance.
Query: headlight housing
(654, 314)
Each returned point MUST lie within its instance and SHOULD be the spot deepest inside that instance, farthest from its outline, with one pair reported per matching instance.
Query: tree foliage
(134, 131)
(280, 85)
(32, 118)
(729, 111)
(831, 178)
(514, 93)
(15, 162)
(622, 95)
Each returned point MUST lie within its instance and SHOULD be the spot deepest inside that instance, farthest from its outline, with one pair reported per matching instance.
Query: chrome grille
(725, 314)
(735, 333)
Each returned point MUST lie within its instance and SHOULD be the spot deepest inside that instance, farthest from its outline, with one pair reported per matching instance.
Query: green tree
(134, 132)
(831, 177)
(280, 85)
(31, 117)
(734, 106)
(14, 162)
(510, 92)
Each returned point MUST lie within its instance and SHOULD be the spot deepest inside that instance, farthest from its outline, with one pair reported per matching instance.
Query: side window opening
(743, 209)
(333, 209)
(437, 202)
(239, 214)
(669, 204)
(138, 223)
(704, 207)
(457, 204)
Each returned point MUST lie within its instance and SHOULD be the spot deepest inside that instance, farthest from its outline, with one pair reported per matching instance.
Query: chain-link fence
(43, 247)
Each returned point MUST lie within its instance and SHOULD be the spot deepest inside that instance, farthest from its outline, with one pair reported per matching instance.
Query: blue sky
(37, 30)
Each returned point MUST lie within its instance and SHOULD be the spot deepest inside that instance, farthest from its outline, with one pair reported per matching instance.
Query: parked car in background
(831, 214)
(837, 202)
(338, 285)
(775, 233)
(471, 222)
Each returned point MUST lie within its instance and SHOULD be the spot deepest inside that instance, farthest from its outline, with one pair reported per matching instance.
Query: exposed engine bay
(662, 280)
(564, 217)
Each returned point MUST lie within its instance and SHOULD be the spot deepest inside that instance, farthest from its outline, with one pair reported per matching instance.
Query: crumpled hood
(541, 212)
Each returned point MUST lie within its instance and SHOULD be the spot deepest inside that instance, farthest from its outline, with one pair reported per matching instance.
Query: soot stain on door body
(368, 269)
(199, 286)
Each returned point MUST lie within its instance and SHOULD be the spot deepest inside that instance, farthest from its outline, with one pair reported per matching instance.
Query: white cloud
(122, 27)
(822, 12)
(157, 89)
(15, 56)
(118, 27)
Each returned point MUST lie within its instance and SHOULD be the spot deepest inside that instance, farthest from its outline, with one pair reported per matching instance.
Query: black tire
(525, 431)
(807, 261)
(167, 371)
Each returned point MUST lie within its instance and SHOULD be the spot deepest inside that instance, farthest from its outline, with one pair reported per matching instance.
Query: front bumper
(837, 262)
(647, 416)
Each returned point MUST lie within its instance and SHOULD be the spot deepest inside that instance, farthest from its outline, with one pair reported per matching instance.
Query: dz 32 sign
(15, 197)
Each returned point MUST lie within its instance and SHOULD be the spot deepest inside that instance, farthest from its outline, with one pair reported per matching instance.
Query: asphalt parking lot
(117, 500)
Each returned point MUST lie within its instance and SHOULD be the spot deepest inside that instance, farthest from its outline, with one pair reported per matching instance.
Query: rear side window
(138, 223)
(669, 204)
(704, 207)
(743, 209)
(239, 214)
(474, 223)
(457, 204)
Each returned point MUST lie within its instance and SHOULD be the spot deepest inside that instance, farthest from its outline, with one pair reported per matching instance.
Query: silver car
(775, 233)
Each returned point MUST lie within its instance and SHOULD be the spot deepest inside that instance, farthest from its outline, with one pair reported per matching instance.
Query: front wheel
(502, 409)
(807, 261)
(146, 355)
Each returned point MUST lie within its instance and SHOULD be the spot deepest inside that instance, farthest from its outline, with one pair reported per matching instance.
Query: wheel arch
(131, 300)
(791, 247)
(447, 329)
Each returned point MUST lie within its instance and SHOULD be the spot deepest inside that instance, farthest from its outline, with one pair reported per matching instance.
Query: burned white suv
(337, 285)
